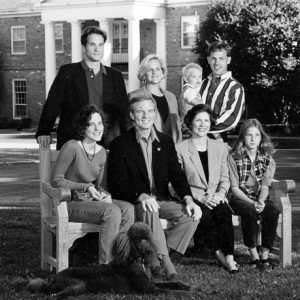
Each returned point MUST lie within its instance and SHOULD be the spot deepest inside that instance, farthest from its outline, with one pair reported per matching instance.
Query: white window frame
(194, 20)
(121, 36)
(12, 39)
(15, 98)
(59, 38)
(121, 55)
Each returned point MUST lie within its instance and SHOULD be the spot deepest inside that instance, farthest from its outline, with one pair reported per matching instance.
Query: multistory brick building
(37, 37)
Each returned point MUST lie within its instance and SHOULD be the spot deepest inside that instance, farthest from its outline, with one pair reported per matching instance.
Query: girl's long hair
(266, 147)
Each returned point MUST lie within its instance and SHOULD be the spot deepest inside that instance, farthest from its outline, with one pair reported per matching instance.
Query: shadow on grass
(20, 261)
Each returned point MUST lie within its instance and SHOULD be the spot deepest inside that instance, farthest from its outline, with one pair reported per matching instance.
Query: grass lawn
(20, 261)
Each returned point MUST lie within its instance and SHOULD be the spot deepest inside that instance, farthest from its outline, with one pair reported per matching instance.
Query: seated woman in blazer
(204, 161)
(152, 71)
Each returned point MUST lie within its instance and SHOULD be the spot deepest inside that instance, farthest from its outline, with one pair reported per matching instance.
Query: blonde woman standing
(152, 71)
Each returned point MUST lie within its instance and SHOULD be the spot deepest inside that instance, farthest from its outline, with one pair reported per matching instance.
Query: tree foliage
(265, 35)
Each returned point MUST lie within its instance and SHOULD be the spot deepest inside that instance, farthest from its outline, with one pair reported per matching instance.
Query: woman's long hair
(266, 147)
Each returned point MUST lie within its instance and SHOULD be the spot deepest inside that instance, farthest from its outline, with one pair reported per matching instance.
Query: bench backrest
(47, 160)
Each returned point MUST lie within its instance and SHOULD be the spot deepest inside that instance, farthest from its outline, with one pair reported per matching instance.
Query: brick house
(37, 37)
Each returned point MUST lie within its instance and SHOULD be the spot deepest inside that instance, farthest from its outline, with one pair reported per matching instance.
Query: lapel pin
(158, 149)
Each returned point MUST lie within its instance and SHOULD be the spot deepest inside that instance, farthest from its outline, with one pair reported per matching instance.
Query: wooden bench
(279, 193)
(55, 220)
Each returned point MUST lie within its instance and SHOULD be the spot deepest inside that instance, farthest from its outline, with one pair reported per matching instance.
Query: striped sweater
(227, 102)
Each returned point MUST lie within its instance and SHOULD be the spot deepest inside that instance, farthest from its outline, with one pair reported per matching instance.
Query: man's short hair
(140, 98)
(218, 46)
(90, 30)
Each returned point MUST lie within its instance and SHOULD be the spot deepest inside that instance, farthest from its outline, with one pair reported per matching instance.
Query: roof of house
(11, 7)
(17, 5)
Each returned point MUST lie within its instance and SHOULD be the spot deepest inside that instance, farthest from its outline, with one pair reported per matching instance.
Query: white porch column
(133, 53)
(161, 43)
(75, 40)
(104, 24)
(50, 58)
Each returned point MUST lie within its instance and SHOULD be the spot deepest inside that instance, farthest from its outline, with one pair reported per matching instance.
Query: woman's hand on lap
(94, 193)
(106, 197)
(220, 197)
(210, 201)
(259, 206)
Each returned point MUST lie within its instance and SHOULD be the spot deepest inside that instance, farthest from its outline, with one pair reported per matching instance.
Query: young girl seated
(251, 170)
(189, 97)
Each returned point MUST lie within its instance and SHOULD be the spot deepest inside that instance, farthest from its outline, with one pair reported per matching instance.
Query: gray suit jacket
(217, 166)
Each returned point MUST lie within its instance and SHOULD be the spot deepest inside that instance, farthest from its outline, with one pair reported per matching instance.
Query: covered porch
(105, 12)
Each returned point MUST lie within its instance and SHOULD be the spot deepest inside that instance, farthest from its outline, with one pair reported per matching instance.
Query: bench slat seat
(76, 227)
(279, 193)
(55, 220)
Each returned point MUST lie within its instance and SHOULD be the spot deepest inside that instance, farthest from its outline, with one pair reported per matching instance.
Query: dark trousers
(249, 217)
(216, 227)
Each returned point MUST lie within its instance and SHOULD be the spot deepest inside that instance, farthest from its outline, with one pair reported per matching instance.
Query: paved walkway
(18, 140)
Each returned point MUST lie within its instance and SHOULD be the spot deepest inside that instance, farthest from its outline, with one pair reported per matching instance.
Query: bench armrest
(59, 197)
(280, 192)
(281, 189)
(286, 186)
(58, 194)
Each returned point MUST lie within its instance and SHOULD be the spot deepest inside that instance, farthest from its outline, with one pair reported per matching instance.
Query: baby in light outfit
(189, 97)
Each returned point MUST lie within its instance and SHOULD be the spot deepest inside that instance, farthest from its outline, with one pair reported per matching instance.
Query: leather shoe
(171, 276)
(233, 272)
(168, 267)
(256, 263)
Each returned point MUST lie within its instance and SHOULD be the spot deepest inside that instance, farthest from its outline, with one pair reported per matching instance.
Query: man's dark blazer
(127, 175)
(69, 92)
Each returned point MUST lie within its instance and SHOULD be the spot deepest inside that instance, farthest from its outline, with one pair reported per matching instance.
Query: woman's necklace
(88, 155)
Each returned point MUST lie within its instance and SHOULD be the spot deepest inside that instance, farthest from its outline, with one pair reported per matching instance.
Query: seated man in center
(141, 164)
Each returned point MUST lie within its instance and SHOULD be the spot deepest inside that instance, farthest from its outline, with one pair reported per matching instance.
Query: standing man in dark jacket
(82, 83)
(141, 164)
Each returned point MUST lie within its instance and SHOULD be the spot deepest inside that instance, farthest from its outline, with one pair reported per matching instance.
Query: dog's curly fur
(133, 254)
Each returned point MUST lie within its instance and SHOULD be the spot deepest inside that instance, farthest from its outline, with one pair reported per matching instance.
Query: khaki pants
(180, 229)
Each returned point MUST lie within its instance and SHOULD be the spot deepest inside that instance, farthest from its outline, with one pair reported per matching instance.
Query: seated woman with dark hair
(204, 161)
(81, 167)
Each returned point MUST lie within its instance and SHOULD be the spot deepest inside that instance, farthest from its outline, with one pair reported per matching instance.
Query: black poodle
(133, 254)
